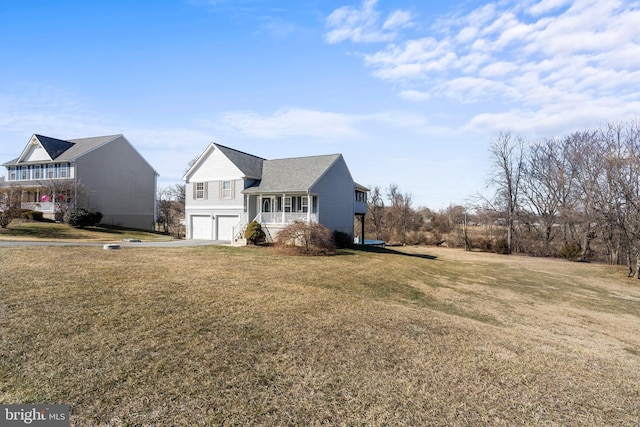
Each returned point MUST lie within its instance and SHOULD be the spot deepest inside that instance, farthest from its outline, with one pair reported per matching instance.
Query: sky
(410, 92)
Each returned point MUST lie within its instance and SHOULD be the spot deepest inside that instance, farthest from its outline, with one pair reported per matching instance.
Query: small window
(226, 190)
(287, 204)
(63, 171)
(305, 204)
(37, 172)
(199, 190)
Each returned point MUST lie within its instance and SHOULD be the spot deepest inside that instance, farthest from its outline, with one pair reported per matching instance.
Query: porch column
(309, 207)
(284, 215)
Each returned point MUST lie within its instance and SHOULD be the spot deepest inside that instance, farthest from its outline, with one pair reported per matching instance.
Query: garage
(225, 227)
(201, 227)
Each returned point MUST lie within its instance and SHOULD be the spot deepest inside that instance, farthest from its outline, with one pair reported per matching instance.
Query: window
(37, 172)
(199, 191)
(305, 204)
(24, 172)
(63, 170)
(361, 196)
(225, 192)
(287, 204)
(51, 172)
(12, 174)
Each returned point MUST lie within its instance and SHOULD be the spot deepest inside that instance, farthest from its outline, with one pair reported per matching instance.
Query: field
(245, 336)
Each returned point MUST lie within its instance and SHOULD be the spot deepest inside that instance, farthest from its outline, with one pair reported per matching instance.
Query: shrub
(501, 246)
(33, 215)
(308, 239)
(254, 233)
(570, 251)
(482, 243)
(6, 216)
(80, 218)
(342, 239)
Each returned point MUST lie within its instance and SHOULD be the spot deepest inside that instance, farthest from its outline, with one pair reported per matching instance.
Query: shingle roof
(292, 175)
(54, 147)
(250, 165)
(65, 151)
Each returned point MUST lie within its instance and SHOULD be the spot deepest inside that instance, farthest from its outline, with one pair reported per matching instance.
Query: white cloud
(546, 6)
(295, 122)
(522, 62)
(364, 25)
(415, 95)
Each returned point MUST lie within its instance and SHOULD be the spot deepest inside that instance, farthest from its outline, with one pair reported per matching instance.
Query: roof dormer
(42, 148)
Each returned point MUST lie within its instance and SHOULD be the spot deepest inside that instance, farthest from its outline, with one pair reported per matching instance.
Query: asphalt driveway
(160, 244)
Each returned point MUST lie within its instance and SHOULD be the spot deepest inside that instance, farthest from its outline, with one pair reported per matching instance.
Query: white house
(226, 189)
(104, 173)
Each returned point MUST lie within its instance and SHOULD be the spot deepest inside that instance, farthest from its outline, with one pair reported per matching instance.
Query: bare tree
(171, 208)
(375, 207)
(400, 213)
(546, 188)
(9, 204)
(507, 153)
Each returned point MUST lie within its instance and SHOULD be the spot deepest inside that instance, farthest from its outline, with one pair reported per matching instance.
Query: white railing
(285, 218)
(238, 229)
(39, 206)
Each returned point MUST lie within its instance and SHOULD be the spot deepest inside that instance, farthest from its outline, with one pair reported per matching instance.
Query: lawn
(245, 336)
(23, 230)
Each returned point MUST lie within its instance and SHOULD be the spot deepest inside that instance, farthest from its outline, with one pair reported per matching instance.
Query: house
(104, 173)
(226, 189)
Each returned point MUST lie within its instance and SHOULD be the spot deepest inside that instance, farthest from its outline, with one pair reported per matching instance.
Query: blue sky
(410, 92)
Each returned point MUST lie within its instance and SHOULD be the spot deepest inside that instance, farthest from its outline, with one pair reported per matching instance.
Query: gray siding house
(105, 173)
(226, 189)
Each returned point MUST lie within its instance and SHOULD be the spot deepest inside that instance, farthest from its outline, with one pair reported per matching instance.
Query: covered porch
(37, 198)
(282, 209)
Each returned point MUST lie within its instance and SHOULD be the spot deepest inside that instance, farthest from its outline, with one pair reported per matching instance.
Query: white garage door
(201, 227)
(225, 227)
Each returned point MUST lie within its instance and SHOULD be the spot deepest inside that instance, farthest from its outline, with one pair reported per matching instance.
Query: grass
(23, 230)
(245, 336)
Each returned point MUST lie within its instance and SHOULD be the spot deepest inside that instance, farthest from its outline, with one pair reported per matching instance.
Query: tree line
(576, 197)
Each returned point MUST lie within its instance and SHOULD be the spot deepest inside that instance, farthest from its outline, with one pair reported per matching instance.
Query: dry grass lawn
(243, 336)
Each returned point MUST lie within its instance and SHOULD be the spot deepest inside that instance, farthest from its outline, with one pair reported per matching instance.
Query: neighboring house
(226, 189)
(104, 173)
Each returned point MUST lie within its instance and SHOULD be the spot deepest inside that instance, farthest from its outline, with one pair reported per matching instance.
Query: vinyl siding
(120, 183)
(216, 167)
(213, 195)
(336, 191)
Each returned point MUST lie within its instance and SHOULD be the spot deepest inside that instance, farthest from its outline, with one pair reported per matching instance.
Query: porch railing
(39, 206)
(238, 229)
(285, 218)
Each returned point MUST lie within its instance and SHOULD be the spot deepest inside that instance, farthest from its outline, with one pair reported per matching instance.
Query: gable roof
(293, 174)
(248, 164)
(66, 151)
(54, 147)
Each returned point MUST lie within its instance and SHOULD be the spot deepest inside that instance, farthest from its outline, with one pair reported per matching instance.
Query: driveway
(159, 244)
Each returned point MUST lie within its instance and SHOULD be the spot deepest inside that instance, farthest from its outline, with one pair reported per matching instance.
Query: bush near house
(342, 240)
(6, 216)
(80, 218)
(32, 215)
(306, 239)
(254, 233)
